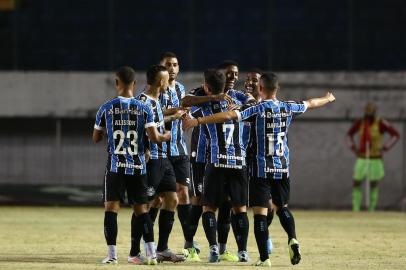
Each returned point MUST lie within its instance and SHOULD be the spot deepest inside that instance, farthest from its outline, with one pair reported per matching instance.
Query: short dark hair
(167, 55)
(270, 81)
(215, 80)
(255, 70)
(126, 74)
(152, 73)
(226, 63)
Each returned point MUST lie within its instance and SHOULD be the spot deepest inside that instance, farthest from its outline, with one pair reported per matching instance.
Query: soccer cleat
(269, 245)
(229, 257)
(168, 256)
(192, 256)
(109, 260)
(214, 254)
(294, 251)
(266, 263)
(138, 259)
(243, 256)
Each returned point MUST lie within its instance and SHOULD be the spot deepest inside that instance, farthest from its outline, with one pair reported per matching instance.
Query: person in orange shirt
(369, 151)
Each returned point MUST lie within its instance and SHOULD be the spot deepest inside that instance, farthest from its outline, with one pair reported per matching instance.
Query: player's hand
(167, 135)
(233, 106)
(223, 97)
(188, 123)
(180, 114)
(330, 97)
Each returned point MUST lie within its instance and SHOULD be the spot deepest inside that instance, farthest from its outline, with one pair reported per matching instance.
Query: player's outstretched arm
(177, 114)
(215, 118)
(321, 101)
(189, 101)
(156, 137)
(97, 135)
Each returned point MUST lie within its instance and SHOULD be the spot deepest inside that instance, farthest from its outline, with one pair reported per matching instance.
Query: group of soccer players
(239, 157)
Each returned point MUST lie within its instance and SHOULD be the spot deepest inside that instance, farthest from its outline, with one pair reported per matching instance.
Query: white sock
(112, 251)
(150, 249)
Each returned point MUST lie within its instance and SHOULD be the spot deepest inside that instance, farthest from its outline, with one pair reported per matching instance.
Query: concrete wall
(321, 163)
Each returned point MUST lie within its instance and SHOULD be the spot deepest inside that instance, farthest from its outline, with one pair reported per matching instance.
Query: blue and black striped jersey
(198, 142)
(171, 99)
(158, 150)
(125, 120)
(270, 120)
(225, 146)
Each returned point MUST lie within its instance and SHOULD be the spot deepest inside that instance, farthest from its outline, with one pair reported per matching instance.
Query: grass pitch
(72, 238)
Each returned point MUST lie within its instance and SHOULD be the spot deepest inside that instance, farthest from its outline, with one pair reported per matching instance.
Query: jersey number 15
(275, 145)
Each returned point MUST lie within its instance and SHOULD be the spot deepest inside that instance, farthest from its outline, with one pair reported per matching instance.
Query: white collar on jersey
(151, 97)
(274, 100)
(125, 97)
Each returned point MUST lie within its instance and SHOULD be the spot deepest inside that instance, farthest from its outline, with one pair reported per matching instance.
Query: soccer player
(225, 170)
(369, 164)
(125, 120)
(176, 148)
(270, 120)
(251, 86)
(161, 177)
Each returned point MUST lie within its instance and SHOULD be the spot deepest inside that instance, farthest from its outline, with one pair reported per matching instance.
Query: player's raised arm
(215, 118)
(321, 101)
(155, 136)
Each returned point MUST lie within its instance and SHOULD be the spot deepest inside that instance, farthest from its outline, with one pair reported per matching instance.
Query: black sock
(287, 222)
(241, 224)
(110, 227)
(183, 215)
(223, 222)
(165, 224)
(153, 213)
(195, 213)
(261, 235)
(210, 227)
(136, 235)
(146, 226)
(269, 217)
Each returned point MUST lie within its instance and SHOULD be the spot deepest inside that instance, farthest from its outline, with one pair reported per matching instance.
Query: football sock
(223, 224)
(112, 251)
(261, 235)
(110, 227)
(210, 227)
(183, 215)
(241, 230)
(136, 235)
(153, 212)
(287, 222)
(165, 224)
(195, 213)
(373, 198)
(356, 199)
(144, 224)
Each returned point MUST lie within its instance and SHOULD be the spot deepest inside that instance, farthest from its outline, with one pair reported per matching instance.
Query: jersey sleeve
(243, 98)
(384, 126)
(297, 107)
(247, 113)
(100, 123)
(196, 112)
(149, 117)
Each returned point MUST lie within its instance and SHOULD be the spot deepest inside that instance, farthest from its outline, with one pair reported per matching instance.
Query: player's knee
(240, 209)
(183, 195)
(112, 206)
(195, 200)
(170, 200)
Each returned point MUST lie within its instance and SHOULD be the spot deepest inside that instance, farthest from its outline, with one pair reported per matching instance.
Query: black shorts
(220, 183)
(181, 166)
(197, 173)
(161, 177)
(115, 185)
(260, 188)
